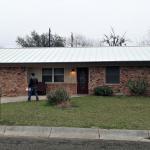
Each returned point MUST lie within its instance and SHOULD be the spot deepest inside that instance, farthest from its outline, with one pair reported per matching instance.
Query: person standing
(33, 85)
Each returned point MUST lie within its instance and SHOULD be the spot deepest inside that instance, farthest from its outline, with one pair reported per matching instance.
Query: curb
(75, 133)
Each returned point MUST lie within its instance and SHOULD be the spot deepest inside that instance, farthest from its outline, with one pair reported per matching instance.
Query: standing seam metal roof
(62, 55)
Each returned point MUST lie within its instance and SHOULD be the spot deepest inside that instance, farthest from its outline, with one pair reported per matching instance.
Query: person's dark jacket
(33, 83)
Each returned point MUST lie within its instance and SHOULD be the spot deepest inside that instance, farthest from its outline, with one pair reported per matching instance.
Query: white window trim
(54, 75)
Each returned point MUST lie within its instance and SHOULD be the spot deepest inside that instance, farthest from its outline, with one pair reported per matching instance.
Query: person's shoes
(29, 100)
(37, 100)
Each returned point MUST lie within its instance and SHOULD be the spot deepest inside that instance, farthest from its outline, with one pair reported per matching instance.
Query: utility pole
(49, 37)
(72, 39)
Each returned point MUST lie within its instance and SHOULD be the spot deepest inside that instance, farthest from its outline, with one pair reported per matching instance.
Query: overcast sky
(92, 18)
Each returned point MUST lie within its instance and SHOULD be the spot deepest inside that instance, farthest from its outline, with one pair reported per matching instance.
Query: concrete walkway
(19, 99)
(24, 98)
(74, 133)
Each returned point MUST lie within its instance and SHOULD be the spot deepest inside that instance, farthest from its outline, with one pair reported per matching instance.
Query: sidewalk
(76, 133)
(24, 98)
(19, 99)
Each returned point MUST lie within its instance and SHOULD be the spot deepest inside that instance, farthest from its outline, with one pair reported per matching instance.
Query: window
(53, 75)
(112, 75)
(59, 75)
(47, 75)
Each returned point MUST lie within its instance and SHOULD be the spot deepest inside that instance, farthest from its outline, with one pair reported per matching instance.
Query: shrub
(58, 96)
(51, 97)
(103, 91)
(137, 87)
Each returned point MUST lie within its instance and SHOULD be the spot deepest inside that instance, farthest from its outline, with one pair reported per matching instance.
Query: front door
(82, 80)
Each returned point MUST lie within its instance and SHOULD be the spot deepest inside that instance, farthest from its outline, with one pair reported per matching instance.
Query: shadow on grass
(48, 104)
(72, 105)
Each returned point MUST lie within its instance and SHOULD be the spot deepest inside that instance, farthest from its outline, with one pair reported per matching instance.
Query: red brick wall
(97, 78)
(13, 81)
(70, 87)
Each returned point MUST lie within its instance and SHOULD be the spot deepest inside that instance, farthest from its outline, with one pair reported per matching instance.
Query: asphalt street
(11, 143)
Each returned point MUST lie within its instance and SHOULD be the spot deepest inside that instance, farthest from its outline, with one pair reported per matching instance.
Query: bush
(58, 96)
(103, 91)
(137, 87)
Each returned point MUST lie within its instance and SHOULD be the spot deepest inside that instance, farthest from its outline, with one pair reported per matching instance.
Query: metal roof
(64, 55)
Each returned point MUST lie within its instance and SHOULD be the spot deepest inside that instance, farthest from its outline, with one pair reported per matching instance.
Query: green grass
(90, 111)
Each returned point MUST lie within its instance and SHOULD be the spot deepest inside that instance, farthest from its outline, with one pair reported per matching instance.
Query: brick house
(78, 70)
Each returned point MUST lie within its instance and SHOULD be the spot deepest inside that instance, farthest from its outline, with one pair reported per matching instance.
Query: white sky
(92, 18)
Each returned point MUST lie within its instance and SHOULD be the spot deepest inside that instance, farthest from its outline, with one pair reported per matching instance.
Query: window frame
(53, 75)
(47, 75)
(111, 83)
(63, 74)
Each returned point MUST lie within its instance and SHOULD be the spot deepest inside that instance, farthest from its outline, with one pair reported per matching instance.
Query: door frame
(87, 79)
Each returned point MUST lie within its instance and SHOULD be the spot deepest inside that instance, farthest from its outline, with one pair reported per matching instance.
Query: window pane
(59, 75)
(59, 71)
(59, 78)
(47, 75)
(47, 71)
(112, 74)
(47, 78)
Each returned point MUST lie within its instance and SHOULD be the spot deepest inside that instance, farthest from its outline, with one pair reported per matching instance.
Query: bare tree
(146, 40)
(114, 39)
(78, 40)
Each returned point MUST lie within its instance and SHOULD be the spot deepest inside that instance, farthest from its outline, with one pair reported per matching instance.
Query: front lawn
(90, 111)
